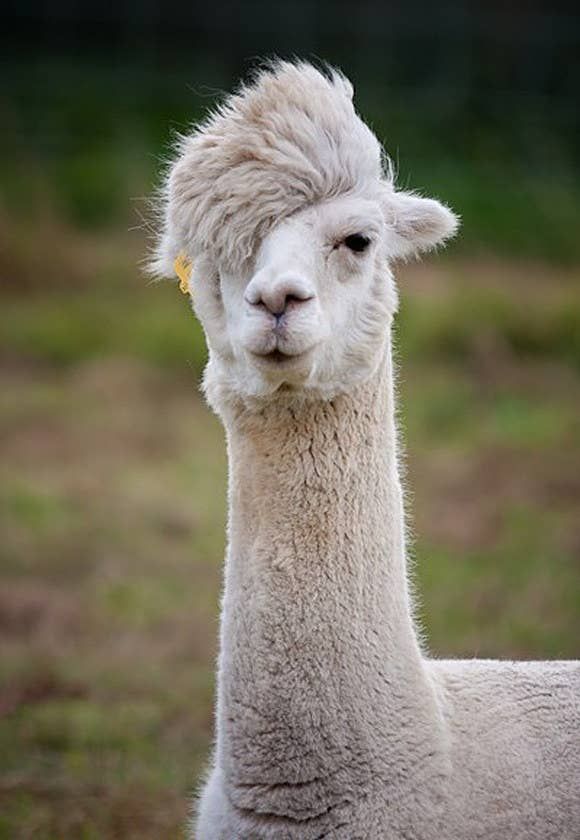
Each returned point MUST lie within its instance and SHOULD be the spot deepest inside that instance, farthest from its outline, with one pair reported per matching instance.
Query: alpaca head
(284, 205)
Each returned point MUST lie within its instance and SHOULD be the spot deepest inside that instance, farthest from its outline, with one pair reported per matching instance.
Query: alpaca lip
(277, 357)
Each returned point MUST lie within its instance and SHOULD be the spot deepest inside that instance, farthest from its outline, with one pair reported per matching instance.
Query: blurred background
(112, 476)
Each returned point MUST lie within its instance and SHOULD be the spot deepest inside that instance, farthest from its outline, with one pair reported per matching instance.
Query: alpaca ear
(416, 224)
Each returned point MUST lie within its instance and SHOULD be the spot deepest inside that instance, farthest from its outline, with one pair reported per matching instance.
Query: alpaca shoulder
(517, 683)
(513, 733)
(490, 693)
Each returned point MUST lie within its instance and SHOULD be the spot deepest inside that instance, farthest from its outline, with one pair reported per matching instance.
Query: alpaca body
(330, 721)
(514, 730)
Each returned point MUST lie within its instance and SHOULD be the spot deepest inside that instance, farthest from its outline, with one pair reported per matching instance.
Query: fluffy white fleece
(291, 139)
(331, 721)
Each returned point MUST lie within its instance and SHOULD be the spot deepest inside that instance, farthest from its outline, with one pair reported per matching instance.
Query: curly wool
(288, 140)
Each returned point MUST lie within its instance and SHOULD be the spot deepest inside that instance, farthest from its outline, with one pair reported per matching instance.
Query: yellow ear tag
(182, 268)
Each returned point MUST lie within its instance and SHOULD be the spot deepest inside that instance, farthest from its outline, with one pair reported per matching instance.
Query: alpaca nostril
(278, 298)
(287, 302)
(295, 298)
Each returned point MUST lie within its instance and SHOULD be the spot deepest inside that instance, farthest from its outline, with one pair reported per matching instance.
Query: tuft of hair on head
(284, 140)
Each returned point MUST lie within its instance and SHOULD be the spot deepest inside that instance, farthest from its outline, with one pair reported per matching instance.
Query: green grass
(112, 471)
(454, 327)
(112, 511)
(522, 587)
(66, 328)
(111, 580)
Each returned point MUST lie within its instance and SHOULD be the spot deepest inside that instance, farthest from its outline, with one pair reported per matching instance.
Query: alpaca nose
(279, 295)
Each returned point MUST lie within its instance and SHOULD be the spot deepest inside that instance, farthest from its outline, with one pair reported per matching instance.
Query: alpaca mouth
(277, 357)
(272, 358)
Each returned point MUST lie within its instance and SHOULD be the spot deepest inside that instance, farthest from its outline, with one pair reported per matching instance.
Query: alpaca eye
(357, 242)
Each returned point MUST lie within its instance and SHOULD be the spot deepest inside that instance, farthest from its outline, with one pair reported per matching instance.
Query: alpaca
(331, 720)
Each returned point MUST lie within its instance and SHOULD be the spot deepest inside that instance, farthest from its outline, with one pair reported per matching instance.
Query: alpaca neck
(320, 666)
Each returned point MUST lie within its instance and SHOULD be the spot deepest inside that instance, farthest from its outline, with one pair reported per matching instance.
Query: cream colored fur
(331, 721)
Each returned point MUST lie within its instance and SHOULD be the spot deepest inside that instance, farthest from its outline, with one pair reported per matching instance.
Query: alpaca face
(286, 205)
(311, 314)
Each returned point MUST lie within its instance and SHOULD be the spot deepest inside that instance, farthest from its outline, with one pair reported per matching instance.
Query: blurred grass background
(112, 476)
